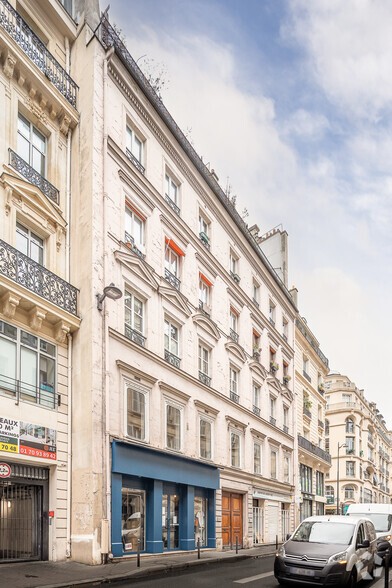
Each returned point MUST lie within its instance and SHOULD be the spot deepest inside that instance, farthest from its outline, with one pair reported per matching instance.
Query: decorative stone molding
(36, 316)
(61, 331)
(65, 122)
(9, 64)
(8, 196)
(9, 302)
(35, 109)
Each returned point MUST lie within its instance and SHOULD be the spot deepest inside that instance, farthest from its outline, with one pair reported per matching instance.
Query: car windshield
(324, 532)
(381, 521)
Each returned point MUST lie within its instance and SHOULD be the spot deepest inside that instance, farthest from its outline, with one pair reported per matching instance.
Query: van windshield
(381, 521)
(324, 532)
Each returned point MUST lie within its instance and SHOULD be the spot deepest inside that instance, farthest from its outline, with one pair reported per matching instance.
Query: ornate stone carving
(65, 121)
(8, 196)
(9, 64)
(61, 331)
(36, 316)
(35, 109)
(9, 302)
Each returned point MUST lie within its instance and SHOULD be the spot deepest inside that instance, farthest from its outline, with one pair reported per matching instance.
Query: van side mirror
(364, 545)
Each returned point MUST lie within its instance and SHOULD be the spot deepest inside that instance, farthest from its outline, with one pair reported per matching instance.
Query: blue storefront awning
(136, 460)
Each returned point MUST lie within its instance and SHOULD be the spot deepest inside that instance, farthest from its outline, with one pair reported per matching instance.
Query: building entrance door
(231, 519)
(170, 521)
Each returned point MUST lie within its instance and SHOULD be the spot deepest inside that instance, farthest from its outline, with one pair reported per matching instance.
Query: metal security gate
(23, 517)
(285, 523)
(258, 525)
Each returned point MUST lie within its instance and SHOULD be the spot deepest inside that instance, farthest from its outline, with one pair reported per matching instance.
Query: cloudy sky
(290, 102)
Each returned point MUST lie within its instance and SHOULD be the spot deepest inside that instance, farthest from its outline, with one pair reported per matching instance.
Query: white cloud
(306, 125)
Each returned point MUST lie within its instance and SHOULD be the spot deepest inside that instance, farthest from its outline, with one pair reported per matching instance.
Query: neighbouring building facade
(360, 446)
(314, 460)
(183, 420)
(39, 312)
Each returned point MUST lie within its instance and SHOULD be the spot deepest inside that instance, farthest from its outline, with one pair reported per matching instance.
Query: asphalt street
(247, 573)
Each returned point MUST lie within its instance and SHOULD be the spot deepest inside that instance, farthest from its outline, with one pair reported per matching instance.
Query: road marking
(253, 578)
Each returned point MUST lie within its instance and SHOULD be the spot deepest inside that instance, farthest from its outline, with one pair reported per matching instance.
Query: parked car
(381, 517)
(335, 550)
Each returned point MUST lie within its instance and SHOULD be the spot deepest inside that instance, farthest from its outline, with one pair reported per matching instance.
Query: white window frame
(305, 364)
(170, 324)
(181, 409)
(257, 443)
(234, 320)
(202, 348)
(131, 308)
(131, 138)
(131, 213)
(285, 328)
(204, 226)
(29, 139)
(204, 291)
(172, 188)
(170, 257)
(271, 312)
(207, 420)
(238, 434)
(286, 459)
(235, 380)
(272, 406)
(31, 237)
(256, 393)
(256, 292)
(286, 416)
(273, 450)
(146, 392)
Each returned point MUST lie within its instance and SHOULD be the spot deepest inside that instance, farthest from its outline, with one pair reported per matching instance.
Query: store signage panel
(27, 439)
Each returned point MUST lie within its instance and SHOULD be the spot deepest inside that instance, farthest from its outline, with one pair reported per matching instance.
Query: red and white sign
(5, 470)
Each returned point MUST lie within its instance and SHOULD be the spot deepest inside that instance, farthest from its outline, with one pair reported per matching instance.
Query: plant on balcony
(286, 379)
(236, 278)
(256, 352)
(320, 388)
(274, 366)
(307, 404)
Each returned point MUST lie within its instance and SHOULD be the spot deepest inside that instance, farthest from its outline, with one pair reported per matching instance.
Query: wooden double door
(232, 526)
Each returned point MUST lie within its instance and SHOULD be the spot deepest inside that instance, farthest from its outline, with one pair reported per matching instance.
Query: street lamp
(340, 445)
(110, 291)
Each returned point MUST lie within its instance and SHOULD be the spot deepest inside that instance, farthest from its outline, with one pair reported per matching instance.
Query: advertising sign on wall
(27, 439)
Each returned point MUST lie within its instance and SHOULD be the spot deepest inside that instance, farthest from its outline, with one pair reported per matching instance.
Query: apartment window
(286, 419)
(171, 189)
(31, 145)
(256, 344)
(234, 384)
(134, 145)
(306, 434)
(173, 427)
(305, 365)
(205, 438)
(256, 293)
(134, 317)
(204, 291)
(257, 458)
(172, 339)
(273, 365)
(256, 396)
(67, 5)
(272, 406)
(235, 445)
(305, 476)
(286, 469)
(285, 329)
(272, 313)
(204, 231)
(350, 468)
(347, 399)
(204, 360)
(274, 464)
(328, 400)
(32, 361)
(319, 483)
(234, 325)
(349, 426)
(29, 243)
(233, 264)
(171, 261)
(349, 493)
(330, 494)
(349, 445)
(327, 427)
(136, 411)
(134, 227)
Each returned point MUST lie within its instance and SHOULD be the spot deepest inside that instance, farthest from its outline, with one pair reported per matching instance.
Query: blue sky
(291, 100)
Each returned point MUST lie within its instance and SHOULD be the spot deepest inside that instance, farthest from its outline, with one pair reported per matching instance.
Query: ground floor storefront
(161, 501)
(272, 515)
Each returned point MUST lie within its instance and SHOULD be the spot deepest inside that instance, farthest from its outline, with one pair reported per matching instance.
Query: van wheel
(352, 581)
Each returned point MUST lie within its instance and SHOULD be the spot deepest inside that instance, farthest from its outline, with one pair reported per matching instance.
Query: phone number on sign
(7, 447)
(37, 453)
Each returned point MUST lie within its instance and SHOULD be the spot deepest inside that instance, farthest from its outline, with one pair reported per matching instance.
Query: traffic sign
(5, 470)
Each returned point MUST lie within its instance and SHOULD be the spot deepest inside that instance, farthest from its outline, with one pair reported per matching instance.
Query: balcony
(306, 376)
(307, 412)
(135, 336)
(271, 320)
(44, 395)
(34, 48)
(234, 335)
(172, 204)
(32, 176)
(35, 277)
(172, 279)
(306, 444)
(255, 302)
(313, 343)
(320, 424)
(285, 429)
(135, 161)
(256, 410)
(205, 240)
(272, 421)
(235, 277)
(350, 451)
(204, 378)
(130, 242)
(204, 307)
(234, 397)
(172, 359)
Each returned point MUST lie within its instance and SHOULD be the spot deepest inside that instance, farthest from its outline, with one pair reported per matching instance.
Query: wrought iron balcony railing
(34, 48)
(172, 204)
(307, 412)
(32, 176)
(44, 394)
(172, 279)
(172, 359)
(205, 240)
(256, 410)
(35, 277)
(234, 335)
(273, 420)
(321, 424)
(204, 378)
(130, 241)
(235, 277)
(306, 444)
(285, 429)
(234, 396)
(135, 336)
(306, 376)
(135, 161)
(255, 302)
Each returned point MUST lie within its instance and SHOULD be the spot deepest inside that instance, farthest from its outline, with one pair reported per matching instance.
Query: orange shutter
(175, 247)
(205, 280)
(134, 209)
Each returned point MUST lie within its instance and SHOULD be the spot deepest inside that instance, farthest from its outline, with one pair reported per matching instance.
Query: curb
(137, 575)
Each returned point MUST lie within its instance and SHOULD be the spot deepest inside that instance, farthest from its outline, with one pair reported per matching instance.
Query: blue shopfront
(164, 501)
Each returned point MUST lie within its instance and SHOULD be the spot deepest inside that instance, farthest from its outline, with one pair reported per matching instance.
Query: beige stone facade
(38, 306)
(358, 429)
(314, 462)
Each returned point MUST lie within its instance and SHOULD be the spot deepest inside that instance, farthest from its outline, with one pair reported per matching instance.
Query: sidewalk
(67, 574)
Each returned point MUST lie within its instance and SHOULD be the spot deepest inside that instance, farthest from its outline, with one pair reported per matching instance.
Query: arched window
(349, 425)
(349, 493)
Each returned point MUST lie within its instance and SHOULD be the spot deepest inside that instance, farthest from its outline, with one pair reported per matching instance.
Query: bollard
(387, 557)
(198, 548)
(236, 544)
(138, 554)
(276, 541)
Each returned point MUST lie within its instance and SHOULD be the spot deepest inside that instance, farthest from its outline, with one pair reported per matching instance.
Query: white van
(381, 517)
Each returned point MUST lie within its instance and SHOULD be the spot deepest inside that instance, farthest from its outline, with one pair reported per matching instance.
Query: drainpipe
(69, 437)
